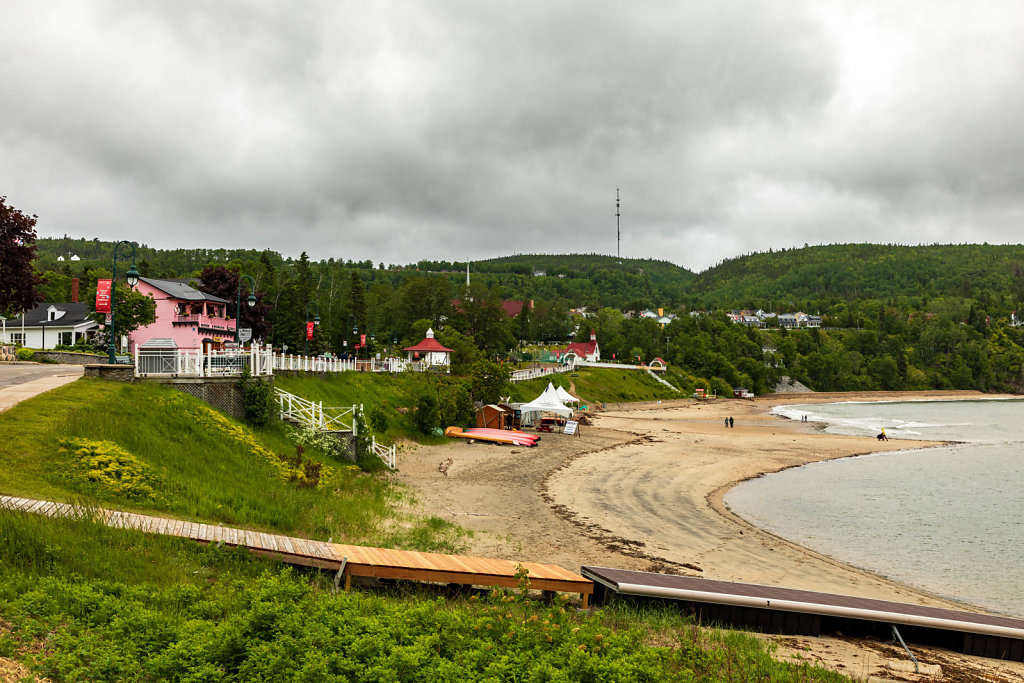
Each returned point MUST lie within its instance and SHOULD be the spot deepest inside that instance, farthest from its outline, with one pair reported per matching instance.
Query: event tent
(564, 396)
(547, 402)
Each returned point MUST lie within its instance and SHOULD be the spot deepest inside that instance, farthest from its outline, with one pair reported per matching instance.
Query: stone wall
(8, 354)
(70, 358)
(118, 373)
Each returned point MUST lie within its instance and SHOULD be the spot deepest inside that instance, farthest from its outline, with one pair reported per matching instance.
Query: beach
(643, 488)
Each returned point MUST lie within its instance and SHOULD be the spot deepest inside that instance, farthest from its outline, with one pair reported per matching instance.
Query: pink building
(185, 316)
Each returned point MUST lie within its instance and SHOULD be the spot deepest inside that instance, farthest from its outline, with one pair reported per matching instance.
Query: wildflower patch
(110, 468)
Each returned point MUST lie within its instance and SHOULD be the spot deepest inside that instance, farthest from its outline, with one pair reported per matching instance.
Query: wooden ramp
(788, 610)
(348, 560)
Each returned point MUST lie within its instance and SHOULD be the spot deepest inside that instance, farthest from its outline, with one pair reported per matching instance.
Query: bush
(427, 417)
(379, 421)
(110, 468)
(25, 354)
(258, 399)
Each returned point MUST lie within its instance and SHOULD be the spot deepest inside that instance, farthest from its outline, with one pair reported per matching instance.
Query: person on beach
(726, 423)
(730, 422)
(882, 436)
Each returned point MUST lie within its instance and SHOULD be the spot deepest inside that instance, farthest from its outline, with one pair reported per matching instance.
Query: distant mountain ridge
(775, 279)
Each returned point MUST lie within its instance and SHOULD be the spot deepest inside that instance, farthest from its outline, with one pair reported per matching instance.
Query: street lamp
(316, 321)
(354, 322)
(238, 302)
(133, 279)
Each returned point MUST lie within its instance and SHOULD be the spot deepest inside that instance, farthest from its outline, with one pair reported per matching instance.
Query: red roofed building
(588, 351)
(430, 351)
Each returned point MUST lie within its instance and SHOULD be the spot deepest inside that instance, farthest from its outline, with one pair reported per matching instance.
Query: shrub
(258, 400)
(379, 420)
(25, 354)
(427, 416)
(110, 468)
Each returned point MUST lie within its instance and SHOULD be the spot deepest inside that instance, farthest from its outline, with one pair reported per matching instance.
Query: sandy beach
(643, 488)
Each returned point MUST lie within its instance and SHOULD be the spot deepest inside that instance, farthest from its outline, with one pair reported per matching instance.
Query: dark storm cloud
(464, 130)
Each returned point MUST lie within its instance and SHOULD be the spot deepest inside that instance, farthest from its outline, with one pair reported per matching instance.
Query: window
(65, 339)
(17, 338)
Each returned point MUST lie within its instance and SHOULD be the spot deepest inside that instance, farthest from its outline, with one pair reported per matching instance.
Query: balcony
(206, 322)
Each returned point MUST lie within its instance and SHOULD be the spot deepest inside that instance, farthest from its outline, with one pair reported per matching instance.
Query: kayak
(507, 438)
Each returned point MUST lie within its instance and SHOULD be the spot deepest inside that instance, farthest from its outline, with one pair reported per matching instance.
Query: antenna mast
(618, 233)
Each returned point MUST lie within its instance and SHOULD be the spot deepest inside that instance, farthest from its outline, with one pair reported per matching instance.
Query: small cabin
(742, 392)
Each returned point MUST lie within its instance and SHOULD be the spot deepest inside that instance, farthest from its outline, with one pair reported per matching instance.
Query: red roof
(582, 348)
(512, 308)
(429, 344)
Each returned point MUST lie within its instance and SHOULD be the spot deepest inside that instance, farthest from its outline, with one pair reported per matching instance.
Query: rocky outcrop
(788, 385)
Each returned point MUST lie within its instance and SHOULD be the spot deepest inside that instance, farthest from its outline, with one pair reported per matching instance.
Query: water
(949, 520)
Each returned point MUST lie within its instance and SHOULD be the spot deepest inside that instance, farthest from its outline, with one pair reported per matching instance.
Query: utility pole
(618, 232)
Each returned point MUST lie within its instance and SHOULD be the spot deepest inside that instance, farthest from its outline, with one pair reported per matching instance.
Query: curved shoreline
(722, 553)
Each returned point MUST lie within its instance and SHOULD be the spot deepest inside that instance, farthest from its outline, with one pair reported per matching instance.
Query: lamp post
(354, 323)
(3, 319)
(238, 302)
(316, 321)
(133, 279)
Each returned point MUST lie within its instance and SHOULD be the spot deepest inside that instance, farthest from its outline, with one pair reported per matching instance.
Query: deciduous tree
(19, 282)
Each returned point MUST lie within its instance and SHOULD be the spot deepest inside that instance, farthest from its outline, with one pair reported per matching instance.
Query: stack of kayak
(505, 436)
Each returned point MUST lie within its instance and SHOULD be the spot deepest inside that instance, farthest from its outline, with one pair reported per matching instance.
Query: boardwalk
(348, 560)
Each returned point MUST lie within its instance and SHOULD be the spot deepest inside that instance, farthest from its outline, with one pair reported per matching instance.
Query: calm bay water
(949, 520)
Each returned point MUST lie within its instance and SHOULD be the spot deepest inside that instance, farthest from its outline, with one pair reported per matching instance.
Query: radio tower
(618, 233)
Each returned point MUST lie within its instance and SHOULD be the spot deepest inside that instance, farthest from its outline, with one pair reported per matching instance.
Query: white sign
(244, 334)
(570, 427)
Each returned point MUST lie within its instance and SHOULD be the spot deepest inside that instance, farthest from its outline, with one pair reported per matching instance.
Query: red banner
(362, 340)
(103, 296)
(309, 330)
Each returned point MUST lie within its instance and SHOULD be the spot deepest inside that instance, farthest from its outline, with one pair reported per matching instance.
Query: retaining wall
(70, 358)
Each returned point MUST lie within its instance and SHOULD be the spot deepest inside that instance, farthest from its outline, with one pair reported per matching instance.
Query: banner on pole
(362, 340)
(309, 330)
(103, 296)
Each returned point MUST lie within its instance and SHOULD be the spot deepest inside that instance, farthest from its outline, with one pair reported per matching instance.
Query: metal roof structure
(180, 290)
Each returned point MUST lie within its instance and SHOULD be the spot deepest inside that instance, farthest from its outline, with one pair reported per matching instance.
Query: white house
(50, 324)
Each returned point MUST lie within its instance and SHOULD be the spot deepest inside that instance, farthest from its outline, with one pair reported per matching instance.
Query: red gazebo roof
(429, 344)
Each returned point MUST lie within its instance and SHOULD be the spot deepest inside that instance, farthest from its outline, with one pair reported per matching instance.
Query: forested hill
(795, 278)
(812, 278)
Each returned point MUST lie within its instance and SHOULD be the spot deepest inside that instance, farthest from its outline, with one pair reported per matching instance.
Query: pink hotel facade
(184, 315)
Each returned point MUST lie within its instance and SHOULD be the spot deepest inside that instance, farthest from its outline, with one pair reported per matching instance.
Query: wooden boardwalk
(348, 560)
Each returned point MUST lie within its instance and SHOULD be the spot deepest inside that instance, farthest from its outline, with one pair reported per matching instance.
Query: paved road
(19, 381)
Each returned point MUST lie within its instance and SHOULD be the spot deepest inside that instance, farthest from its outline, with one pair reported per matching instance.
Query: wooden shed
(492, 417)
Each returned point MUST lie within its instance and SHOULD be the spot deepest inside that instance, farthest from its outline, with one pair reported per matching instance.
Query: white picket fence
(281, 361)
(389, 454)
(531, 373)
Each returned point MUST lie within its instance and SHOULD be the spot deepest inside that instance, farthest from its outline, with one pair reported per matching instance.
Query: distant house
(751, 320)
(52, 324)
(811, 321)
(540, 273)
(788, 321)
(588, 351)
(430, 351)
(189, 317)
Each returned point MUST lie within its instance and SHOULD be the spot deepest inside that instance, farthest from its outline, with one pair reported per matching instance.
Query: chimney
(74, 290)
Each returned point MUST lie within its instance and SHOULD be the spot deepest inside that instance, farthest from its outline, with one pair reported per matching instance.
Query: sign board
(244, 334)
(570, 427)
(362, 340)
(309, 330)
(103, 296)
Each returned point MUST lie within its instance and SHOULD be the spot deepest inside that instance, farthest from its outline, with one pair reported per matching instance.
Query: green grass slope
(163, 451)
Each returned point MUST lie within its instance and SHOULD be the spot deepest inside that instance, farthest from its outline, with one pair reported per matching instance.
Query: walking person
(731, 425)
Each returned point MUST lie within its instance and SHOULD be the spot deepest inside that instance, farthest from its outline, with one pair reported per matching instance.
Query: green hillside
(794, 278)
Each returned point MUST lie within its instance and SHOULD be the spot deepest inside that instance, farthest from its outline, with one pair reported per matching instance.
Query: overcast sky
(467, 129)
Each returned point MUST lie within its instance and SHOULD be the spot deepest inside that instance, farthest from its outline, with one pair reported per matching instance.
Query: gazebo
(430, 351)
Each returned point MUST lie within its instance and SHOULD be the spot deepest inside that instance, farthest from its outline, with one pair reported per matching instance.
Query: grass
(82, 602)
(208, 467)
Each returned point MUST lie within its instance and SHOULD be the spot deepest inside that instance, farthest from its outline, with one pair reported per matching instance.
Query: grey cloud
(465, 130)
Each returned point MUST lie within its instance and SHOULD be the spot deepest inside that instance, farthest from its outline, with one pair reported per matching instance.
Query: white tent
(547, 402)
(564, 396)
